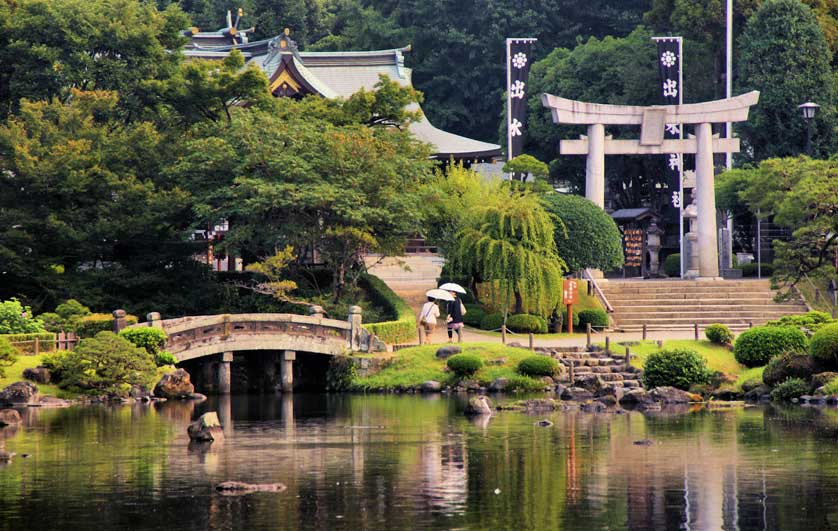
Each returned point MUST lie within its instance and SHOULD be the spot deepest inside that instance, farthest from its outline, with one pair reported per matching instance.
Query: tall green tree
(50, 47)
(784, 55)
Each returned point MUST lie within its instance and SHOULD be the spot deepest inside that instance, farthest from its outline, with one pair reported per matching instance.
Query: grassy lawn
(808, 292)
(15, 374)
(412, 366)
(524, 338)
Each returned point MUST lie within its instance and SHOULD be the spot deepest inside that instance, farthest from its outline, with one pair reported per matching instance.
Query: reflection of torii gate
(653, 120)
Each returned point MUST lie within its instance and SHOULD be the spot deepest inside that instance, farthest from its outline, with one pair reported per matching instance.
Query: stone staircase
(680, 304)
(408, 276)
(610, 368)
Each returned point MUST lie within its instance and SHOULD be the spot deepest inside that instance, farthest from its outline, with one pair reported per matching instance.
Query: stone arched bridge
(208, 336)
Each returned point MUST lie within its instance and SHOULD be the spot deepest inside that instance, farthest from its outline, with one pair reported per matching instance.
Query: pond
(411, 462)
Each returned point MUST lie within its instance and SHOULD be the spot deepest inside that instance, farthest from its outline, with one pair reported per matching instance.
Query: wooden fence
(62, 341)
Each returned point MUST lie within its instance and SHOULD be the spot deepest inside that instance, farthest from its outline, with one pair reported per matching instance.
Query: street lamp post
(809, 109)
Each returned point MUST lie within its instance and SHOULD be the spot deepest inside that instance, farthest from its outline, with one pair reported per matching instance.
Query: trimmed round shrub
(596, 316)
(491, 321)
(523, 323)
(465, 365)
(824, 345)
(719, 334)
(538, 366)
(153, 340)
(672, 265)
(789, 365)
(591, 238)
(791, 388)
(474, 315)
(71, 308)
(755, 347)
(164, 358)
(681, 368)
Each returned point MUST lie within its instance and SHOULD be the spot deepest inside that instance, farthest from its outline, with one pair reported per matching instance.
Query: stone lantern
(653, 245)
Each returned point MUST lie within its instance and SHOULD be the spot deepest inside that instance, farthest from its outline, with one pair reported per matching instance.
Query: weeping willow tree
(510, 244)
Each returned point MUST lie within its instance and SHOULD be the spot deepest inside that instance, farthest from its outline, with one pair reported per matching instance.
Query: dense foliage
(524, 323)
(402, 326)
(808, 322)
(587, 236)
(679, 368)
(8, 355)
(91, 325)
(756, 346)
(18, 319)
(153, 340)
(719, 334)
(538, 366)
(464, 365)
(824, 345)
(491, 321)
(672, 265)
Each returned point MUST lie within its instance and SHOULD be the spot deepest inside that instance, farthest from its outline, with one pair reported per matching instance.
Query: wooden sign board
(570, 291)
(633, 247)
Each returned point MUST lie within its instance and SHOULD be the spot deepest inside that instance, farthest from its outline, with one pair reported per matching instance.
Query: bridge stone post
(355, 328)
(286, 371)
(317, 311)
(118, 321)
(154, 320)
(224, 373)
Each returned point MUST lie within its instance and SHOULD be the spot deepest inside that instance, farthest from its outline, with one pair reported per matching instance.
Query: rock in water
(431, 386)
(498, 385)
(544, 423)
(671, 395)
(206, 428)
(174, 385)
(446, 352)
(479, 405)
(19, 393)
(237, 488)
(37, 374)
(9, 417)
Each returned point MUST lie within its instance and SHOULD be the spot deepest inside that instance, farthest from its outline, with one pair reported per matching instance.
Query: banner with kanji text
(518, 69)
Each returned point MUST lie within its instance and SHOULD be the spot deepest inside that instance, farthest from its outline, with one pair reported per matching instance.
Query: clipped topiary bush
(71, 308)
(474, 315)
(824, 345)
(523, 323)
(789, 365)
(153, 340)
(791, 388)
(755, 347)
(491, 321)
(164, 358)
(464, 365)
(672, 265)
(596, 316)
(538, 366)
(403, 327)
(681, 368)
(809, 321)
(719, 334)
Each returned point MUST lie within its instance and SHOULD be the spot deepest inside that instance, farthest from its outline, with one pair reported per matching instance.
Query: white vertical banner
(518, 61)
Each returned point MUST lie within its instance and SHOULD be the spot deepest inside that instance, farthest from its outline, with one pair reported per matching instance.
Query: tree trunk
(519, 302)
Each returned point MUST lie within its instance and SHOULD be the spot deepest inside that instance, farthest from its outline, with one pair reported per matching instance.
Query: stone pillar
(708, 249)
(317, 311)
(595, 166)
(118, 321)
(286, 371)
(154, 320)
(355, 328)
(224, 373)
(225, 414)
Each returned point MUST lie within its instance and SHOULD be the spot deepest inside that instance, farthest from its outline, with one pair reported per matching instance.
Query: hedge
(491, 321)
(596, 316)
(756, 346)
(26, 342)
(400, 330)
(750, 270)
(90, 325)
(679, 368)
(474, 315)
(523, 323)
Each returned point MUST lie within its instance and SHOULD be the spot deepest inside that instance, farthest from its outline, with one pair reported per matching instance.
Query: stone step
(611, 377)
(704, 307)
(631, 384)
(647, 283)
(688, 321)
(628, 316)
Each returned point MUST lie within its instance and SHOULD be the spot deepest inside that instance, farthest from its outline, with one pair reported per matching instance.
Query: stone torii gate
(653, 121)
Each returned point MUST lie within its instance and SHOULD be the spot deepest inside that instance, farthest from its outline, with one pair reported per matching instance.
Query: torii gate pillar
(653, 120)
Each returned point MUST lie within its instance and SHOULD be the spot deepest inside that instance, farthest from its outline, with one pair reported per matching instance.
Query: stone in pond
(206, 428)
(175, 384)
(479, 405)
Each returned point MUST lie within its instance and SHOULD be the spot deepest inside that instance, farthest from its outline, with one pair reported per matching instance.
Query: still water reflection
(391, 463)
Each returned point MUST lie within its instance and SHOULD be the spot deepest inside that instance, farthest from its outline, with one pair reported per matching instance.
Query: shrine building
(296, 74)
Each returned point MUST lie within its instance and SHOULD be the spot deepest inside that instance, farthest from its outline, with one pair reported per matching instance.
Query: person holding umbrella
(427, 318)
(455, 310)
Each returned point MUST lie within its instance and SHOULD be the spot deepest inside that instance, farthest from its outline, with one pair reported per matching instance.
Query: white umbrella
(450, 286)
(440, 294)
